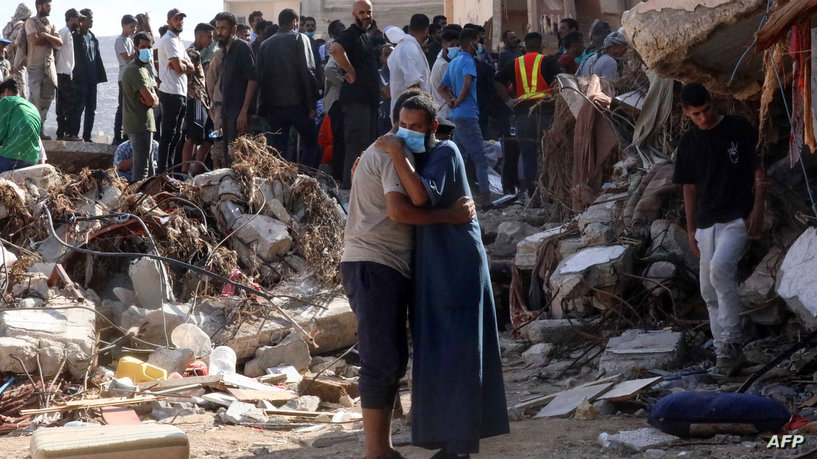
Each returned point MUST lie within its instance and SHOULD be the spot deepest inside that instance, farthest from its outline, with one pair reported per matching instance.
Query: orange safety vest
(529, 82)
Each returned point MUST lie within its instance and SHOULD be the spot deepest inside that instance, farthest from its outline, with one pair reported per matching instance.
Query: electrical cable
(180, 263)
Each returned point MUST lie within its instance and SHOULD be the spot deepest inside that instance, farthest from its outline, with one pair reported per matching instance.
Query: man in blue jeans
(459, 87)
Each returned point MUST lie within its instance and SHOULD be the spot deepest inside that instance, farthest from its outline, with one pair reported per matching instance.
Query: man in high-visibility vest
(522, 84)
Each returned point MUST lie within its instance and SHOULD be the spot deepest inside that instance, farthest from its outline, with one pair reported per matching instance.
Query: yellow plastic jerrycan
(139, 371)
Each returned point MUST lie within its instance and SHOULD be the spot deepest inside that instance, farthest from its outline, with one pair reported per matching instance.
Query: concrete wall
(386, 12)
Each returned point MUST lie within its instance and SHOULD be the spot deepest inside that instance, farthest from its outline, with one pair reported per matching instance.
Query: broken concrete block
(797, 278)
(636, 441)
(303, 403)
(163, 410)
(157, 326)
(275, 205)
(527, 248)
(172, 360)
(569, 246)
(509, 234)
(243, 413)
(597, 234)
(637, 350)
(593, 267)
(699, 40)
(538, 353)
(597, 213)
(148, 283)
(668, 237)
(34, 284)
(292, 350)
(556, 331)
(760, 285)
(325, 311)
(55, 335)
(268, 237)
(329, 390)
(43, 176)
(209, 183)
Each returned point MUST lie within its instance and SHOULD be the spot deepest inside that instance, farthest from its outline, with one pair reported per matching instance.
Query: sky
(108, 13)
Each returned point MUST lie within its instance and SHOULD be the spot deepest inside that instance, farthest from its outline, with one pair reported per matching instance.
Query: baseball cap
(87, 13)
(4, 41)
(175, 12)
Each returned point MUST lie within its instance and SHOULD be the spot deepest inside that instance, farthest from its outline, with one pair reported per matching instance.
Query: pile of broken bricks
(96, 272)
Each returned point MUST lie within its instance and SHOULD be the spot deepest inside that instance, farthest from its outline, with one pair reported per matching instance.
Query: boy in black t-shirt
(723, 197)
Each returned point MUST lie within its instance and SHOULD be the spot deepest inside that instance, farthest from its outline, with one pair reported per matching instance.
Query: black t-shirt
(721, 162)
(362, 55)
(237, 69)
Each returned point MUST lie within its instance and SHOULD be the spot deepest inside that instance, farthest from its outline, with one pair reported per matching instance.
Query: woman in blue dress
(458, 394)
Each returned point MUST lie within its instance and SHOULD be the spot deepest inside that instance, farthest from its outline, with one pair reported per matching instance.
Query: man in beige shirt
(376, 275)
(43, 39)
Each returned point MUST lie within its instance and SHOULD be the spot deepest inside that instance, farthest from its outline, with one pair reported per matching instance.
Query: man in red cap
(174, 65)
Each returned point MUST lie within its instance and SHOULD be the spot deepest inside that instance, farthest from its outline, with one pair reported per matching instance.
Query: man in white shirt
(125, 54)
(65, 67)
(450, 49)
(174, 65)
(408, 65)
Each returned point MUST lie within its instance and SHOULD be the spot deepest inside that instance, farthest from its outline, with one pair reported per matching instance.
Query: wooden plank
(84, 404)
(627, 390)
(781, 20)
(535, 402)
(309, 414)
(566, 402)
(208, 380)
(809, 403)
(247, 395)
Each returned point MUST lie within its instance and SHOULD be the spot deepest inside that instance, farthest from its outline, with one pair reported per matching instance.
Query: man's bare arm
(400, 209)
(690, 209)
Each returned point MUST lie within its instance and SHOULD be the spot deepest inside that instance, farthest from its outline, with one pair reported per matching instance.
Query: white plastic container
(192, 337)
(222, 360)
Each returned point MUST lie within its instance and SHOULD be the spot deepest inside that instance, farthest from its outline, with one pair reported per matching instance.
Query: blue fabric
(7, 164)
(463, 65)
(675, 413)
(458, 393)
(468, 137)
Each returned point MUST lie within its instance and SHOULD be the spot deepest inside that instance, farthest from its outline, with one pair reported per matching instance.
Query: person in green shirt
(19, 129)
(138, 97)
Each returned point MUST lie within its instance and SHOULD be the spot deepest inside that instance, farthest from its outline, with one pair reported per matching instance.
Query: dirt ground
(539, 438)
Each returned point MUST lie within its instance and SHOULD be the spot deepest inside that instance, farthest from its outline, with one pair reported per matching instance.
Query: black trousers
(65, 104)
(173, 111)
(281, 119)
(85, 102)
(117, 119)
(379, 296)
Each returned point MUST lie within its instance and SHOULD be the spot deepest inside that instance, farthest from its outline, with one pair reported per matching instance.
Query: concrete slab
(72, 157)
(53, 335)
(637, 350)
(797, 278)
(527, 248)
(566, 402)
(592, 267)
(636, 441)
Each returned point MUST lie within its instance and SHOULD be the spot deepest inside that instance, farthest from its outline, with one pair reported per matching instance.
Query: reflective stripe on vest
(530, 85)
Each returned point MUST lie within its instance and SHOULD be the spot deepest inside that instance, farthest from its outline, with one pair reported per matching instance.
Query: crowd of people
(320, 102)
(397, 115)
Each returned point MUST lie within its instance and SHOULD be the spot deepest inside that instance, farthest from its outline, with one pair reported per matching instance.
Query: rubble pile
(174, 297)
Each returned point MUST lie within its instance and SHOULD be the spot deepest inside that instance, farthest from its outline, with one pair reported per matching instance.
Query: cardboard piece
(275, 397)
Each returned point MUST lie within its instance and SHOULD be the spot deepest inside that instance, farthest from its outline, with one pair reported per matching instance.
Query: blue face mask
(415, 141)
(309, 34)
(144, 56)
(453, 52)
(480, 49)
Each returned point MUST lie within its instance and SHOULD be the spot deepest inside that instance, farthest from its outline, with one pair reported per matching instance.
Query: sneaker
(730, 359)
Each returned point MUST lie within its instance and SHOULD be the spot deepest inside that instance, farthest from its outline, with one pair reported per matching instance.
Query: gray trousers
(722, 247)
(141, 143)
(41, 91)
